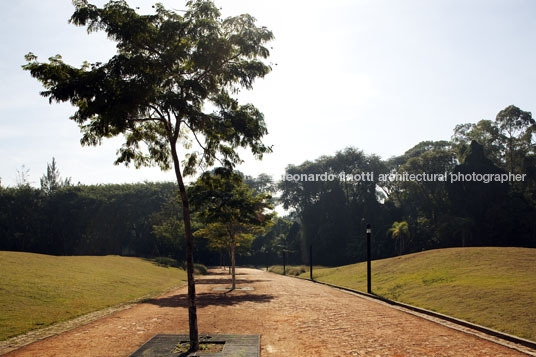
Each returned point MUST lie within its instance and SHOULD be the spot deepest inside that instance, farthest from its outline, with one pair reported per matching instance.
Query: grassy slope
(494, 287)
(37, 290)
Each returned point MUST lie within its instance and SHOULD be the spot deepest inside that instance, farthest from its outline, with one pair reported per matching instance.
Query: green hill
(37, 290)
(491, 286)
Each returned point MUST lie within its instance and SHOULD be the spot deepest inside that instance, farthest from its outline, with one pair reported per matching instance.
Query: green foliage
(130, 219)
(263, 183)
(84, 220)
(167, 262)
(231, 210)
(420, 149)
(51, 181)
(278, 239)
(517, 129)
(220, 240)
(485, 132)
(423, 203)
(200, 269)
(508, 141)
(153, 90)
(331, 213)
(399, 231)
(290, 270)
(221, 196)
(488, 200)
(168, 227)
(439, 213)
(229, 207)
(174, 263)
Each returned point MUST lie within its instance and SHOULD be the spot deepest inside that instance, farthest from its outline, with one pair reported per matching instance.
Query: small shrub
(297, 270)
(170, 262)
(200, 269)
(290, 269)
(166, 262)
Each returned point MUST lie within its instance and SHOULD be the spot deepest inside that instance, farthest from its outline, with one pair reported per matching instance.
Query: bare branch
(162, 116)
(145, 119)
(195, 136)
(177, 128)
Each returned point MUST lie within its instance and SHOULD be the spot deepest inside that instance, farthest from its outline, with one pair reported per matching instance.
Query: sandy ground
(294, 318)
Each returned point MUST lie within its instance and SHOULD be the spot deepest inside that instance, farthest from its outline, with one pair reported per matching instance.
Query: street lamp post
(369, 231)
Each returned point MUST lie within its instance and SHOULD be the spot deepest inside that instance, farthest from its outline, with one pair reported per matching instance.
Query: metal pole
(369, 231)
(284, 261)
(311, 260)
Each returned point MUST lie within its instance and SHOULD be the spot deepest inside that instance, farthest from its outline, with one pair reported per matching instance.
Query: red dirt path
(293, 317)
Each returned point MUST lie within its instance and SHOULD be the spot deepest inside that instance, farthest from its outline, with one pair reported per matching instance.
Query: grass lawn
(37, 290)
(493, 287)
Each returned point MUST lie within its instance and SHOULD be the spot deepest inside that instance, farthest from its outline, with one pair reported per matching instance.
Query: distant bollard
(369, 231)
(311, 261)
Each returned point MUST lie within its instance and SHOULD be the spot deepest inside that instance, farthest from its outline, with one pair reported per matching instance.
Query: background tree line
(145, 219)
(142, 219)
(410, 216)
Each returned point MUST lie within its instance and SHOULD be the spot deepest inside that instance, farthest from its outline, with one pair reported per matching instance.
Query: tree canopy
(155, 90)
(147, 219)
(173, 81)
(231, 210)
(51, 181)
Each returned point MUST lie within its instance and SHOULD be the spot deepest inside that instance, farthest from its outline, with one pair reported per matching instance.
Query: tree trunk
(192, 308)
(230, 260)
(233, 265)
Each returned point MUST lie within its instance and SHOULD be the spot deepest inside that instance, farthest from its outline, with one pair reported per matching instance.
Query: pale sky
(377, 75)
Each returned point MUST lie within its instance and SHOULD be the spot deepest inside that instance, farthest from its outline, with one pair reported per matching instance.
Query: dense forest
(328, 215)
(410, 215)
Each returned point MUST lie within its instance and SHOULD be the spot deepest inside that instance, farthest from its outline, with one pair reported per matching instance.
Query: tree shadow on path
(209, 299)
(229, 281)
(222, 272)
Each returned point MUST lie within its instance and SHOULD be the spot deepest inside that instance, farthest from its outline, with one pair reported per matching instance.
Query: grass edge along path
(40, 290)
(491, 286)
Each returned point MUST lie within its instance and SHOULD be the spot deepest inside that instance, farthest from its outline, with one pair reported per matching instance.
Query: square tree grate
(233, 346)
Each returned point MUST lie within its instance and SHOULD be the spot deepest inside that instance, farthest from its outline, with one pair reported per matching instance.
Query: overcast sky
(377, 75)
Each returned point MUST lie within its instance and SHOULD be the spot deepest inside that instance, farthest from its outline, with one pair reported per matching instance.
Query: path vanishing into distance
(294, 318)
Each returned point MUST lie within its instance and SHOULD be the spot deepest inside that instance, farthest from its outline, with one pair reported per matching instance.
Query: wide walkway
(294, 318)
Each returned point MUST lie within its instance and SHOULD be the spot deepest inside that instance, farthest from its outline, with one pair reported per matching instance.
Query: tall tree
(51, 181)
(263, 183)
(399, 231)
(327, 196)
(22, 178)
(517, 128)
(168, 228)
(231, 209)
(231, 238)
(485, 207)
(485, 132)
(508, 141)
(154, 91)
